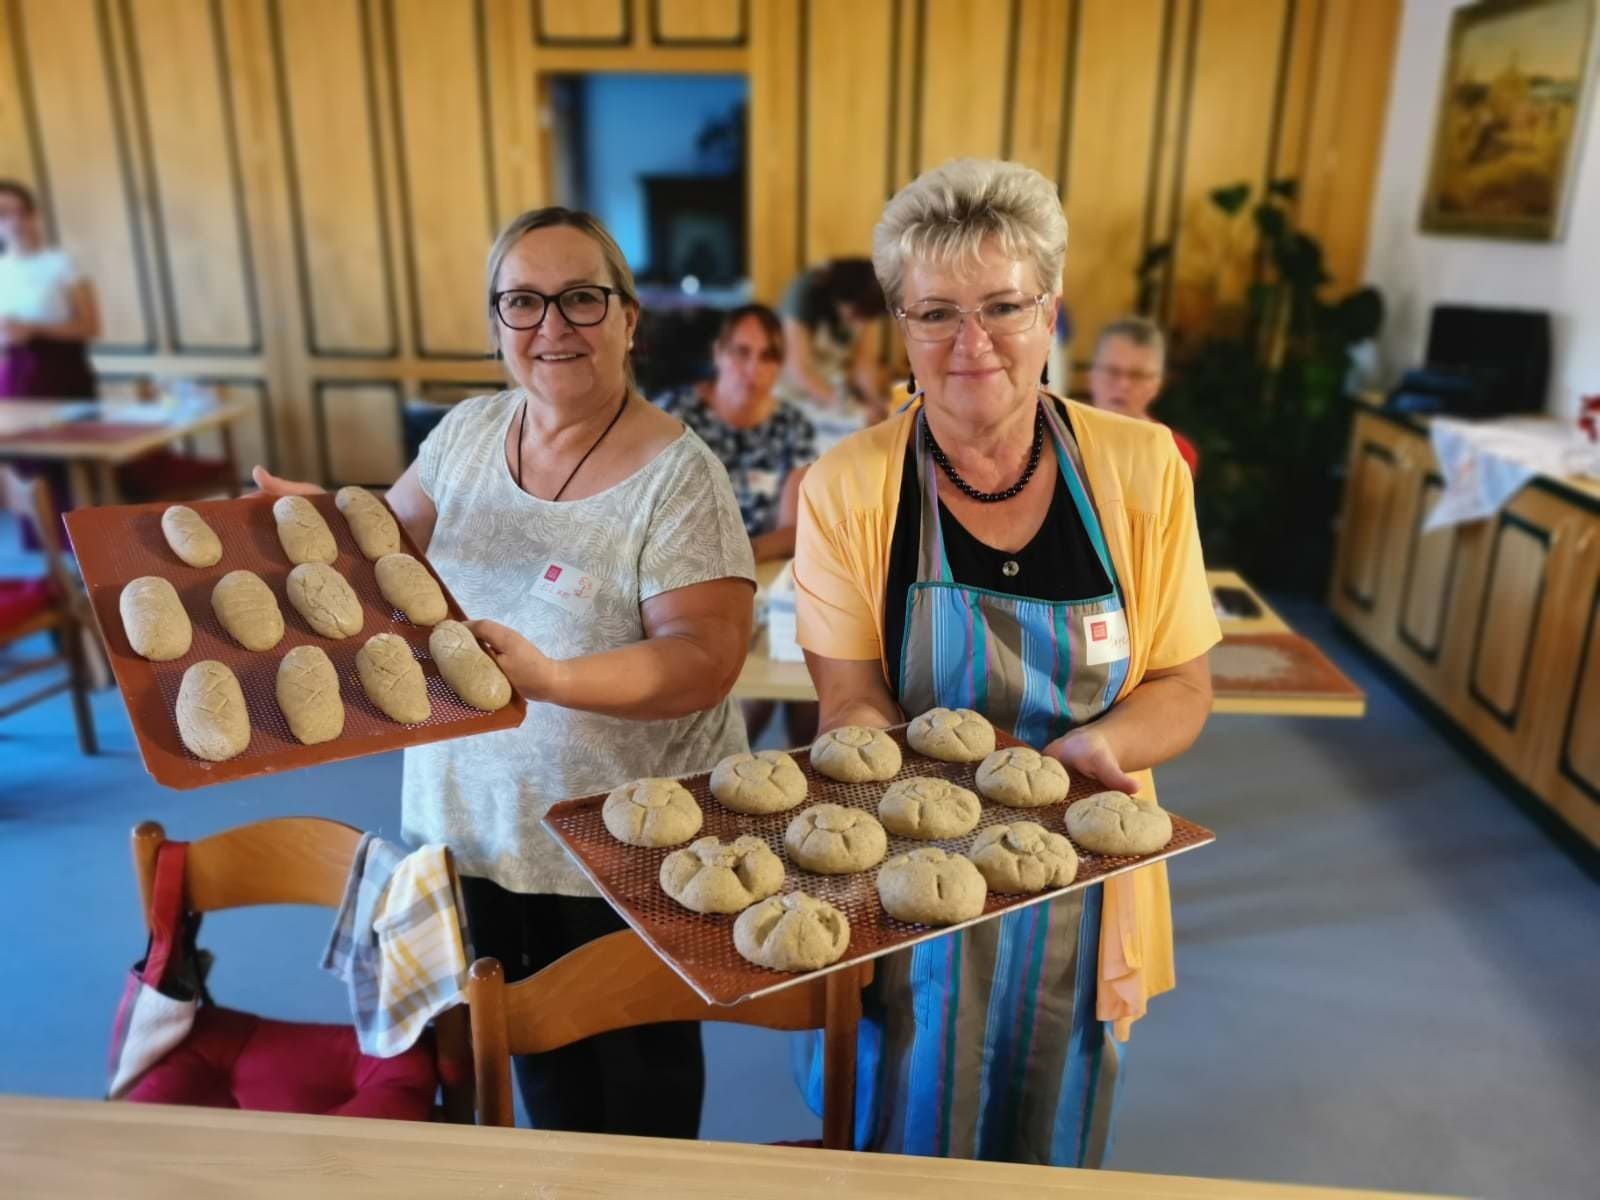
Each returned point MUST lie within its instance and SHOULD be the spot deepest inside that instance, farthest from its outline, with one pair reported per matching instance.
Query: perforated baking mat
(1276, 664)
(117, 544)
(700, 947)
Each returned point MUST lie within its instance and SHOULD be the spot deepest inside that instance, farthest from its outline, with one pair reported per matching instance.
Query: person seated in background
(1130, 360)
(831, 332)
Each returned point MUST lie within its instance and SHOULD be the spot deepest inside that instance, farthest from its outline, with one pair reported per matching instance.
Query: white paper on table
(1485, 464)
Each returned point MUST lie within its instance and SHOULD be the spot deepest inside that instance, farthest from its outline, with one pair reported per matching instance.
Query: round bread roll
(328, 604)
(1021, 777)
(856, 754)
(212, 719)
(929, 887)
(370, 522)
(308, 694)
(248, 610)
(467, 667)
(793, 932)
(190, 537)
(929, 809)
(302, 532)
(767, 781)
(154, 620)
(651, 812)
(406, 584)
(1024, 857)
(1116, 823)
(393, 680)
(708, 877)
(833, 840)
(951, 735)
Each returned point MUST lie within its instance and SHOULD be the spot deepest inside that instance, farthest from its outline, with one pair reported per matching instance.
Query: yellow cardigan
(1144, 495)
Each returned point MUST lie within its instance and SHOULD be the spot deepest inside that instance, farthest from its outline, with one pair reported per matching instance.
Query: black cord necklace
(992, 497)
(522, 423)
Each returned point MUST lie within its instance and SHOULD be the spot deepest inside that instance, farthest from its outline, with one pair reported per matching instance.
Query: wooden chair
(53, 604)
(617, 982)
(292, 860)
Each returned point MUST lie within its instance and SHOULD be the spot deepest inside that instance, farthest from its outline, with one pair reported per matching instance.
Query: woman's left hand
(525, 665)
(1087, 751)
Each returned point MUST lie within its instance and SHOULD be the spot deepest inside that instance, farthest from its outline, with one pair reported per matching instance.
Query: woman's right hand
(271, 485)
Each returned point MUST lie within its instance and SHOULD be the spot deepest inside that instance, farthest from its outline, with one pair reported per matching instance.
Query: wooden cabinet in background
(1496, 623)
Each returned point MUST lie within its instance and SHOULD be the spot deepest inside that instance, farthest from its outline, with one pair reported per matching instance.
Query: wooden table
(766, 678)
(93, 438)
(90, 1148)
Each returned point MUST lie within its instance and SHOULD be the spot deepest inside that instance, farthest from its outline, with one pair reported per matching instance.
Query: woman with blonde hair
(995, 547)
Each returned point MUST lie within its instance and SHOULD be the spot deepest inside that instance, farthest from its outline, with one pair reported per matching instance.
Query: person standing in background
(831, 316)
(1130, 361)
(48, 313)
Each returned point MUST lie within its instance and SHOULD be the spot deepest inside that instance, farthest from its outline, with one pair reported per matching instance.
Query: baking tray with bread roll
(700, 947)
(115, 545)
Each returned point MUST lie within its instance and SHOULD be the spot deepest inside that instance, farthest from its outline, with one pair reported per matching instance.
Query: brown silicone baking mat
(700, 948)
(117, 544)
(1276, 664)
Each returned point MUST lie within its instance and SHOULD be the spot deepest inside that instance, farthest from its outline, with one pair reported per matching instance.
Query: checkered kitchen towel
(397, 943)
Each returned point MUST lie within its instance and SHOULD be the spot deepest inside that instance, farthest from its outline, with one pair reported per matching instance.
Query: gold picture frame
(1511, 106)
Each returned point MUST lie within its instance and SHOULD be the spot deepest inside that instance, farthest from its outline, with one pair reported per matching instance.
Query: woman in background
(48, 314)
(831, 319)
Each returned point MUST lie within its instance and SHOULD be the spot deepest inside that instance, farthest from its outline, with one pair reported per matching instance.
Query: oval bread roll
(393, 679)
(248, 610)
(153, 617)
(406, 584)
(328, 604)
(302, 532)
(308, 694)
(190, 537)
(369, 520)
(212, 720)
(467, 668)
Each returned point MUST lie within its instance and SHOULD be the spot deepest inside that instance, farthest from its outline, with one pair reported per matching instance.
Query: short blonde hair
(946, 214)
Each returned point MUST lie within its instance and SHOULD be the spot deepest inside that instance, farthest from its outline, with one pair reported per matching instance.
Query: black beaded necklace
(992, 497)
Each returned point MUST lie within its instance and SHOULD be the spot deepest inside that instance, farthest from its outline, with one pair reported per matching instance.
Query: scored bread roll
(212, 719)
(469, 671)
(393, 680)
(328, 604)
(407, 584)
(154, 620)
(248, 610)
(371, 523)
(308, 693)
(190, 537)
(303, 534)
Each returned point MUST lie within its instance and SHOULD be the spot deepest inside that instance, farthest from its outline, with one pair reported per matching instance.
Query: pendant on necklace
(1009, 568)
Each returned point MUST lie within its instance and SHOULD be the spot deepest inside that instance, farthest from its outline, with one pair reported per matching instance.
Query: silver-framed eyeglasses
(581, 304)
(939, 321)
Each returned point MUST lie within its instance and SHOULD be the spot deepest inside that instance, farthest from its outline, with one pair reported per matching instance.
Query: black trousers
(648, 1081)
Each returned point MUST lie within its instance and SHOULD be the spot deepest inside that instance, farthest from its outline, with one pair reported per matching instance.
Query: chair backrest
(31, 498)
(617, 982)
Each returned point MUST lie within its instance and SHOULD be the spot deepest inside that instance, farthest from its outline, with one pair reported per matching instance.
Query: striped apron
(984, 1043)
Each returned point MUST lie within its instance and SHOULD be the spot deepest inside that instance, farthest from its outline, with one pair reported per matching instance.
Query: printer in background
(1481, 362)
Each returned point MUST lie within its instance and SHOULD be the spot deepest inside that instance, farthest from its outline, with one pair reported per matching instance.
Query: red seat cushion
(162, 472)
(238, 1060)
(22, 600)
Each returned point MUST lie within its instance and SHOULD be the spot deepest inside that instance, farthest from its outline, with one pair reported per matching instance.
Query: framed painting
(1510, 110)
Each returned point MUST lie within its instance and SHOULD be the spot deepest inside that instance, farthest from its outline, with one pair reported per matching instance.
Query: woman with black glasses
(600, 545)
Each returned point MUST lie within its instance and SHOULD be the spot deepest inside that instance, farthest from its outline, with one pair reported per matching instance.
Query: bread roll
(1119, 824)
(302, 532)
(407, 584)
(190, 537)
(929, 887)
(328, 604)
(856, 754)
(792, 932)
(248, 610)
(393, 680)
(651, 812)
(467, 668)
(370, 522)
(308, 694)
(154, 620)
(212, 720)
(831, 839)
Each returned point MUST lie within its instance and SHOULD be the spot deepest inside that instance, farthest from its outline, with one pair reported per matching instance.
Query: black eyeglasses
(583, 304)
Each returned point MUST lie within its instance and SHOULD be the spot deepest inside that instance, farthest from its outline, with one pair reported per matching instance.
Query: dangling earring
(1044, 376)
(911, 383)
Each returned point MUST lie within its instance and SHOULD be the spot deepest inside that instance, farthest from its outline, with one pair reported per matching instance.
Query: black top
(1058, 564)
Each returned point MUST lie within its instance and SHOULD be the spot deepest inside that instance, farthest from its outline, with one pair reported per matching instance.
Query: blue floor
(1387, 972)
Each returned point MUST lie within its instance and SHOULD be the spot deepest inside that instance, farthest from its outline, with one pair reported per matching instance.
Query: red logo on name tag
(553, 574)
(1097, 630)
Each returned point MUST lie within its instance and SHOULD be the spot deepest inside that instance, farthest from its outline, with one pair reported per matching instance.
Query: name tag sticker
(566, 587)
(1105, 637)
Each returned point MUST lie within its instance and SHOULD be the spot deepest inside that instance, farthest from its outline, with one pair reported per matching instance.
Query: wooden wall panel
(1043, 75)
(184, 115)
(359, 432)
(591, 23)
(774, 172)
(445, 167)
(332, 174)
(88, 159)
(1110, 162)
(965, 68)
(699, 22)
(846, 49)
(18, 151)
